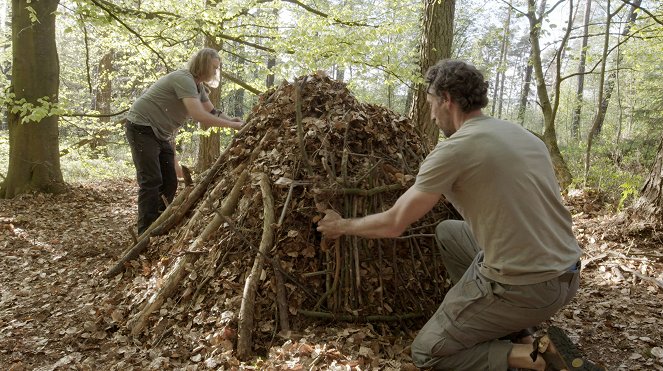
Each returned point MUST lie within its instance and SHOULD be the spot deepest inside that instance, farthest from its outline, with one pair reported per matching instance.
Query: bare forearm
(381, 225)
(372, 226)
(208, 120)
(411, 206)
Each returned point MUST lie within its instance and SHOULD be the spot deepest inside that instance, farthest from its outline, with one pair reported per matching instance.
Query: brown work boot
(560, 353)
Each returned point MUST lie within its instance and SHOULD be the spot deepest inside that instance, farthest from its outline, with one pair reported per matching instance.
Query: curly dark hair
(463, 82)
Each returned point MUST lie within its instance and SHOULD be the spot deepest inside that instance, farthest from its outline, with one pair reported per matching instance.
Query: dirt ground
(56, 309)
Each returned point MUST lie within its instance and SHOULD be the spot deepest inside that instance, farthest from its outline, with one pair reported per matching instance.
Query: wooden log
(643, 277)
(172, 280)
(246, 313)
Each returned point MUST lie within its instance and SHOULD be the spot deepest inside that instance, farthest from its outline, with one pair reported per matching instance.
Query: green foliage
(617, 171)
(630, 190)
(32, 14)
(82, 165)
(29, 112)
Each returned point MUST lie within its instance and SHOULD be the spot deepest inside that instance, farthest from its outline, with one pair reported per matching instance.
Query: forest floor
(55, 249)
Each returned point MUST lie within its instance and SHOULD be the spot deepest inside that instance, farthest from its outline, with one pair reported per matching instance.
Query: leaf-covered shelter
(242, 240)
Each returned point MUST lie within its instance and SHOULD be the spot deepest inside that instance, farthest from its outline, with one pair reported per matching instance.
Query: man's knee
(444, 228)
(420, 349)
(429, 347)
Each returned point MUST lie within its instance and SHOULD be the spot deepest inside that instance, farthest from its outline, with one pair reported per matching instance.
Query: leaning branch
(241, 83)
(94, 115)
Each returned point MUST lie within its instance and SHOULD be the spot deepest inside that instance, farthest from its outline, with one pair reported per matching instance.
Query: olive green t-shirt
(500, 178)
(161, 105)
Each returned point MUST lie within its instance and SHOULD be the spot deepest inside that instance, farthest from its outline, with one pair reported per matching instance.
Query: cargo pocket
(462, 304)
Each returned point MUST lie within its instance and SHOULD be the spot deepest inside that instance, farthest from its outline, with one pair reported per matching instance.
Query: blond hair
(200, 64)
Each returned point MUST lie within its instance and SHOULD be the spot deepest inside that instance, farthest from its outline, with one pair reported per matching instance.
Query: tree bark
(650, 202)
(436, 40)
(34, 155)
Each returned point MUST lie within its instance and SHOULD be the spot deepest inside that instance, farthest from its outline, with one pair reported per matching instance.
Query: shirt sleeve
(184, 86)
(438, 172)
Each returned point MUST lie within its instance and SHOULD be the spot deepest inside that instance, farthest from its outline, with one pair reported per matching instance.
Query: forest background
(589, 87)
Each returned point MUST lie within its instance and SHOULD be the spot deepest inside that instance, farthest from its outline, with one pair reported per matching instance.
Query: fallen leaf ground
(54, 305)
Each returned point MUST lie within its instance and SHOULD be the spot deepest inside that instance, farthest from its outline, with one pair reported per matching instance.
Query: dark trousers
(155, 171)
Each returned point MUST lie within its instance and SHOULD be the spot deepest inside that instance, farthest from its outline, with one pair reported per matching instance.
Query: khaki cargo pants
(463, 332)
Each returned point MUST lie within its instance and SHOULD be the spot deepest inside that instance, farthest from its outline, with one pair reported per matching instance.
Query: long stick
(281, 296)
(300, 128)
(337, 273)
(246, 313)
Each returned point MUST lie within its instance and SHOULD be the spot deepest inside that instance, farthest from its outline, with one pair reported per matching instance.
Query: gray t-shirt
(161, 106)
(500, 178)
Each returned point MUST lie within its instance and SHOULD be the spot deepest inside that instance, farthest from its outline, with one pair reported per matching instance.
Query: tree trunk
(610, 84)
(549, 109)
(501, 69)
(271, 62)
(522, 107)
(34, 155)
(5, 67)
(238, 103)
(600, 112)
(575, 124)
(105, 86)
(209, 146)
(103, 101)
(436, 40)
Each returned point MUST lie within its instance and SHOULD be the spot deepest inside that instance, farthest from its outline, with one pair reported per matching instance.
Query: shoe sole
(567, 357)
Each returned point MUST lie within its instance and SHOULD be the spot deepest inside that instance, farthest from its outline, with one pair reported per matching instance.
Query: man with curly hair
(514, 258)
